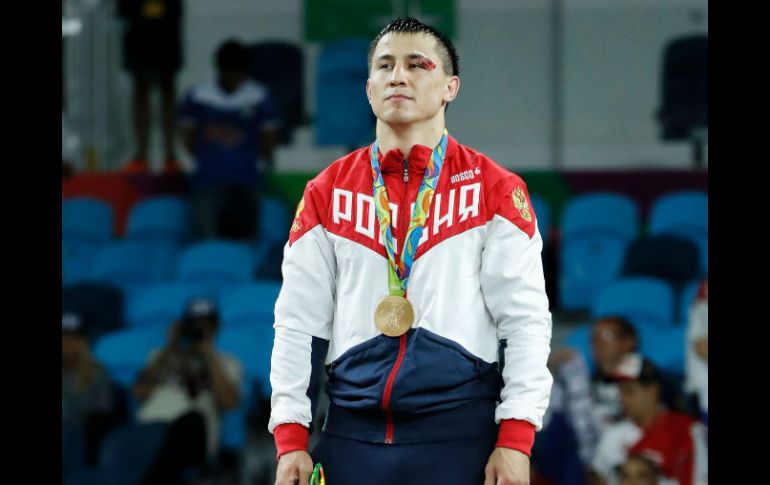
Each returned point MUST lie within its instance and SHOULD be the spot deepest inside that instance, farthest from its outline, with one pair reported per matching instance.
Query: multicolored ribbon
(318, 478)
(398, 272)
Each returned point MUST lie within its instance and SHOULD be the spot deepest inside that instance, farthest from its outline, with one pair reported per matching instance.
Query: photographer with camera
(188, 384)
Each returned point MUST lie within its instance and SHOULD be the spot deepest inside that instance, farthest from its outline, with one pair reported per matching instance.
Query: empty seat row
(158, 305)
(129, 264)
(168, 218)
(105, 308)
(599, 229)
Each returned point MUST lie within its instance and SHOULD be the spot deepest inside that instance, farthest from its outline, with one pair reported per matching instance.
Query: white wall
(612, 54)
(612, 81)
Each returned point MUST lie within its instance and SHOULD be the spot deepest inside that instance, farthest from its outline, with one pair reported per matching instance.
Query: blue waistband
(470, 420)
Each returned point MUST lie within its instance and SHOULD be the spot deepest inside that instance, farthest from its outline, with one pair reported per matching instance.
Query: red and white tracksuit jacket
(475, 359)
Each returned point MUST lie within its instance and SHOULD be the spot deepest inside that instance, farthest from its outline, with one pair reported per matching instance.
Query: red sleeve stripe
(290, 437)
(516, 434)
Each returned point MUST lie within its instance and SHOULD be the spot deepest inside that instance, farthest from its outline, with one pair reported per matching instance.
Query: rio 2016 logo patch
(520, 201)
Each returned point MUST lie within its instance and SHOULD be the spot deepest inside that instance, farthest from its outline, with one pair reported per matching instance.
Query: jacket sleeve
(303, 319)
(513, 286)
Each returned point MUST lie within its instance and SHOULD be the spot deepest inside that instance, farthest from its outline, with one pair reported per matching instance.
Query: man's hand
(294, 468)
(507, 467)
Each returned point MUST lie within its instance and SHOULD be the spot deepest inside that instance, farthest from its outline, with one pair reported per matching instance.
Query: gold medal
(394, 316)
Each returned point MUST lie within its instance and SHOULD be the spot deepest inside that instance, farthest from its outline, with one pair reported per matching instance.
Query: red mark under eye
(427, 63)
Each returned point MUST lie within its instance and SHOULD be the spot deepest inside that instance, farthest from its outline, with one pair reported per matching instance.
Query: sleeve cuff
(516, 434)
(290, 437)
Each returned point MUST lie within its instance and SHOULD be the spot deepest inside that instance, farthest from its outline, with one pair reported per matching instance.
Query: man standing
(229, 128)
(152, 54)
(413, 272)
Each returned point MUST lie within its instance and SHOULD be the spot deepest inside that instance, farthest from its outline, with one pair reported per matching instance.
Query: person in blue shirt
(229, 128)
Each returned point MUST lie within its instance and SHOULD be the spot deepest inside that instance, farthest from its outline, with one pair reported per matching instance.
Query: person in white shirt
(190, 377)
(697, 364)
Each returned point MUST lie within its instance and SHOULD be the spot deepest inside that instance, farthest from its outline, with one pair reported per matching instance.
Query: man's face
(638, 399)
(231, 79)
(608, 345)
(636, 471)
(401, 89)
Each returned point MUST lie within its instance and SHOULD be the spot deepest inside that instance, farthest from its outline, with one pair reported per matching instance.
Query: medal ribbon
(398, 272)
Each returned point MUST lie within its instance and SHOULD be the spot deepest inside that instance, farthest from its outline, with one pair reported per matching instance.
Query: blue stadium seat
(73, 447)
(666, 256)
(343, 115)
(587, 264)
(601, 213)
(124, 457)
(252, 345)
(163, 217)
(76, 258)
(664, 346)
(280, 66)
(250, 304)
(543, 216)
(86, 219)
(274, 220)
(274, 224)
(128, 451)
(124, 353)
(683, 213)
(130, 264)
(644, 301)
(596, 229)
(686, 299)
(161, 304)
(216, 263)
(580, 340)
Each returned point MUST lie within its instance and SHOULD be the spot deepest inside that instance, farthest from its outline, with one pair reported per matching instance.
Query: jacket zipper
(389, 388)
(403, 226)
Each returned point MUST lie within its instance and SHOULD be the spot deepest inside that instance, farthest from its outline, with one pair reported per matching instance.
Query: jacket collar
(393, 160)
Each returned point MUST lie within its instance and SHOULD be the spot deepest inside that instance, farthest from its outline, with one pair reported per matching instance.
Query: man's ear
(368, 91)
(452, 88)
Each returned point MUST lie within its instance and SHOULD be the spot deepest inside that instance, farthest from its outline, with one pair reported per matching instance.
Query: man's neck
(404, 137)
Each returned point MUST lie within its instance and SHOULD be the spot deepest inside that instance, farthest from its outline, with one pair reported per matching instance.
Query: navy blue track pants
(452, 462)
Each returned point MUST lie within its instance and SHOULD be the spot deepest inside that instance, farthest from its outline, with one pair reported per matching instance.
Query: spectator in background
(581, 405)
(152, 54)
(188, 384)
(229, 127)
(674, 441)
(88, 399)
(612, 338)
(697, 370)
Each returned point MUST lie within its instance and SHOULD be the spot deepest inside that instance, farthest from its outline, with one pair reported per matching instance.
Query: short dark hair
(410, 25)
(625, 327)
(232, 55)
(650, 374)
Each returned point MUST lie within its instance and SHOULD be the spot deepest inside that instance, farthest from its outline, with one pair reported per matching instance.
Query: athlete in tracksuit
(458, 397)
